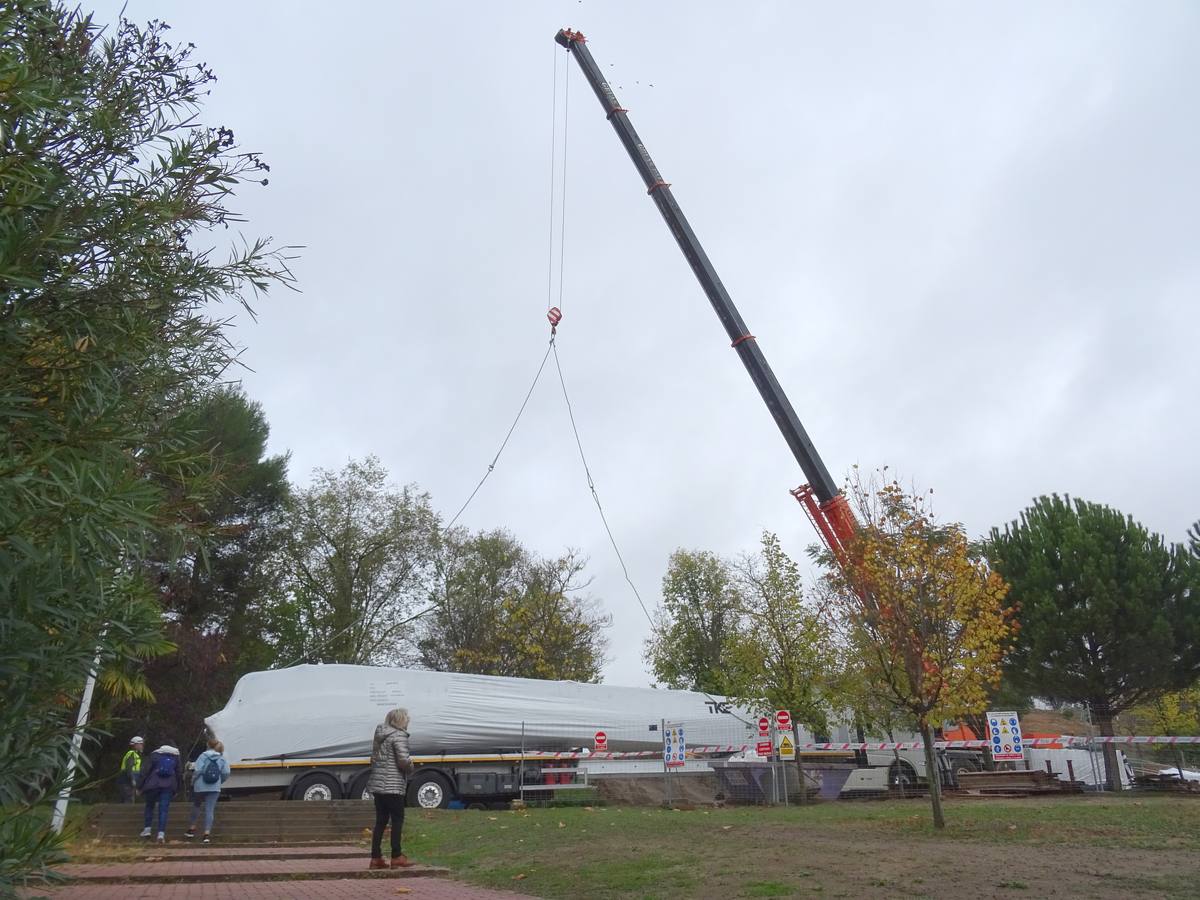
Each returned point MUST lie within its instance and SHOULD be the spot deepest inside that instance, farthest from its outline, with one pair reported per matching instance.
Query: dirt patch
(805, 863)
(648, 790)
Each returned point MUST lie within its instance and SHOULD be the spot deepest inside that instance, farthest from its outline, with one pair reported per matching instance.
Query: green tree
(356, 558)
(213, 584)
(1110, 614)
(108, 279)
(211, 591)
(475, 575)
(925, 616)
(785, 656)
(499, 609)
(1172, 713)
(698, 624)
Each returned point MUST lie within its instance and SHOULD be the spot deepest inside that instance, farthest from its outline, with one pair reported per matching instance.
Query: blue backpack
(167, 766)
(212, 771)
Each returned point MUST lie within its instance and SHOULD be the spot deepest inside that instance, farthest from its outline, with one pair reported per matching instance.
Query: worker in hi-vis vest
(131, 768)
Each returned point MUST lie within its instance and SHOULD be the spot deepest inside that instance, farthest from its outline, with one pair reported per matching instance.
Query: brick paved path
(368, 889)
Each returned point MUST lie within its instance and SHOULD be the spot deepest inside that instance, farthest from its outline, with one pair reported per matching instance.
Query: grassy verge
(845, 849)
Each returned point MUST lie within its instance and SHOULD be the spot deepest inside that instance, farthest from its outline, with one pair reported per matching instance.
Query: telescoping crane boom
(820, 497)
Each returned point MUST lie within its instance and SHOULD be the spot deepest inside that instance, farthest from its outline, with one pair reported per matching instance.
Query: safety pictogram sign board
(787, 750)
(1004, 733)
(674, 745)
(764, 748)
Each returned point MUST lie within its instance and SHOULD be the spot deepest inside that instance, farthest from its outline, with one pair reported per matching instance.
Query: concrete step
(175, 841)
(265, 821)
(214, 852)
(237, 870)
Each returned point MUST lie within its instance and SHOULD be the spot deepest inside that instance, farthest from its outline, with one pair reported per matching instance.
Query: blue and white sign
(674, 745)
(1005, 733)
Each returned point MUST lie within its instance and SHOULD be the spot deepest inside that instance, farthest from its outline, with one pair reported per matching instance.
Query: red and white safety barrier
(632, 754)
(1134, 739)
(1062, 740)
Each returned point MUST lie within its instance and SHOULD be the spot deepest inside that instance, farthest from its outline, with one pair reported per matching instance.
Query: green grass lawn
(1092, 846)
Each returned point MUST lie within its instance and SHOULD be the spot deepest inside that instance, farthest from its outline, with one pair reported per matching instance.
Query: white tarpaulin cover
(315, 712)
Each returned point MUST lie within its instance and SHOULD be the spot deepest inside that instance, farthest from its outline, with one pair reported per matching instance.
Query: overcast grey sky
(965, 235)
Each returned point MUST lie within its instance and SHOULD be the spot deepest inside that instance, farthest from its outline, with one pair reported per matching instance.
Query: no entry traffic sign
(764, 726)
(783, 720)
(601, 741)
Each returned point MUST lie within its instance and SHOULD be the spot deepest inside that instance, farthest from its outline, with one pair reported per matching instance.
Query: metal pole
(662, 731)
(774, 758)
(799, 763)
(521, 765)
(59, 818)
(1091, 749)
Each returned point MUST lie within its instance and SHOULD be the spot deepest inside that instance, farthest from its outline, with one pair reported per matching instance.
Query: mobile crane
(824, 504)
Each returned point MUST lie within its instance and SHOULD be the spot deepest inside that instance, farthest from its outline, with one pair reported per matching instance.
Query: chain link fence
(715, 760)
(712, 760)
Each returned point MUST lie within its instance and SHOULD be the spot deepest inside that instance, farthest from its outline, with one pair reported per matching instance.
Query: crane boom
(820, 497)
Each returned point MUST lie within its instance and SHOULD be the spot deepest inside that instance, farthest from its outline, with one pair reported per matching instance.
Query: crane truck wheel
(429, 790)
(965, 766)
(358, 787)
(317, 786)
(902, 775)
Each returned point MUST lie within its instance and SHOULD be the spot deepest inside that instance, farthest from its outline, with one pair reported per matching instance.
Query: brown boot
(401, 862)
(378, 862)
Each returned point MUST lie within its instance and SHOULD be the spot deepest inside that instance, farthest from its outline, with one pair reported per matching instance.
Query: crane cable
(592, 487)
(541, 367)
(562, 199)
(555, 313)
(551, 348)
(487, 474)
(553, 157)
(513, 427)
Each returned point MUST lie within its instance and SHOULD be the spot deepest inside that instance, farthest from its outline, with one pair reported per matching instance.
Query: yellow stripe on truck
(417, 760)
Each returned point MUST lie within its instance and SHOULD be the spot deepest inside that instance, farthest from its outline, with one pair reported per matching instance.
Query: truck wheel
(965, 766)
(429, 790)
(358, 787)
(902, 775)
(317, 786)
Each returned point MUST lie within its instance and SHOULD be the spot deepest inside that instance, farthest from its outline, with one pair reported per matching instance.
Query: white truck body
(307, 730)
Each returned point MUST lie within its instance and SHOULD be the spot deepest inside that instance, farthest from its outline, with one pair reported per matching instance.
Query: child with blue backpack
(210, 771)
(162, 779)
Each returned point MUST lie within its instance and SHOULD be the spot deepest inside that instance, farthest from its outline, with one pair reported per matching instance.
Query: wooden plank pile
(1020, 783)
(1172, 783)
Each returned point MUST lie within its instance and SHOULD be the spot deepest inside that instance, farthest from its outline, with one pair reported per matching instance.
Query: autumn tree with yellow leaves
(1172, 713)
(924, 614)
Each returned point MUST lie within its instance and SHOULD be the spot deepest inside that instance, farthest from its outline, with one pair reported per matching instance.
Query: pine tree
(1110, 613)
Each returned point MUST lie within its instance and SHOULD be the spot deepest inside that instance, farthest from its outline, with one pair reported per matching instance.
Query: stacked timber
(1171, 783)
(1020, 783)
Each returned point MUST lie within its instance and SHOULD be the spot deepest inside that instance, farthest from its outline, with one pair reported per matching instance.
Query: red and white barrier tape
(1062, 740)
(1134, 739)
(632, 754)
